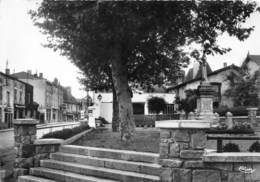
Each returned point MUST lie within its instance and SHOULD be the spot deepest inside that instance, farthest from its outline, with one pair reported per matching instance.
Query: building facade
(71, 106)
(15, 99)
(49, 96)
(218, 80)
(104, 103)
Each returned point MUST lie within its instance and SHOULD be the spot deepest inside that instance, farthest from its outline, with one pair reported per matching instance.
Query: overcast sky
(20, 44)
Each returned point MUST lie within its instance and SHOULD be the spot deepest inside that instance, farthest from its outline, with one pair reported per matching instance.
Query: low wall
(242, 166)
(7, 135)
(42, 130)
(183, 156)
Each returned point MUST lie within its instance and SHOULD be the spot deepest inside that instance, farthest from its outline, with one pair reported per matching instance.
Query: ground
(145, 140)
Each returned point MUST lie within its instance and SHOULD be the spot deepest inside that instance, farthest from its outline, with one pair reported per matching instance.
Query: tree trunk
(120, 80)
(115, 119)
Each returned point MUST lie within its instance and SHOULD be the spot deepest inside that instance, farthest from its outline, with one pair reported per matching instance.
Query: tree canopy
(243, 90)
(141, 42)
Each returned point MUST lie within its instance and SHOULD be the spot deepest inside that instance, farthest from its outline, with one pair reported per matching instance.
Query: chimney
(41, 75)
(7, 71)
(225, 64)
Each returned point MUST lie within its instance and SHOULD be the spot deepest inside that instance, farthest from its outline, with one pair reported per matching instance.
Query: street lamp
(99, 97)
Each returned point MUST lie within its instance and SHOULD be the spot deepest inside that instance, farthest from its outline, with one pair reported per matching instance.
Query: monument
(205, 97)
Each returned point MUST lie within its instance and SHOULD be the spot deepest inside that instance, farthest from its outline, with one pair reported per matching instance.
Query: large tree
(138, 40)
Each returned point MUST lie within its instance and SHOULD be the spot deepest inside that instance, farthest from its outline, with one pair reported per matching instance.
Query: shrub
(66, 133)
(242, 126)
(236, 111)
(221, 110)
(231, 147)
(156, 105)
(255, 147)
(103, 120)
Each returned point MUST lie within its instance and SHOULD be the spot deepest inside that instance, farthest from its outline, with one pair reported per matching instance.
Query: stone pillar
(205, 101)
(24, 137)
(182, 144)
(252, 112)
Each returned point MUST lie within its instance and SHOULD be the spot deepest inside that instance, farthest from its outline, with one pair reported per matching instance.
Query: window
(29, 98)
(1, 94)
(20, 97)
(15, 95)
(8, 98)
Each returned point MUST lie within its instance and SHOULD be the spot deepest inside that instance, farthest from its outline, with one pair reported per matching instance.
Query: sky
(21, 44)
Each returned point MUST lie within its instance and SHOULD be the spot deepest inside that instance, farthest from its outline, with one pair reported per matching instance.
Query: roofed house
(217, 78)
(251, 66)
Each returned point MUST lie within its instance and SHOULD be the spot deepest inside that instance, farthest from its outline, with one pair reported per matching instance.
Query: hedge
(66, 133)
(236, 111)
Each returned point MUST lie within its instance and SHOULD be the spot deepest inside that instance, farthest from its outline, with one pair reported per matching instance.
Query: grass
(145, 140)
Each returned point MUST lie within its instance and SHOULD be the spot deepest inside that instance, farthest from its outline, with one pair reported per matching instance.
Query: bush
(231, 147)
(255, 147)
(236, 111)
(66, 133)
(3, 126)
(103, 120)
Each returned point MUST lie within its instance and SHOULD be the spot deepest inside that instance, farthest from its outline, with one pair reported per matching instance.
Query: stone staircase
(90, 164)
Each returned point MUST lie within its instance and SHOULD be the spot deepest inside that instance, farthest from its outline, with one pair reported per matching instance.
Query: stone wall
(184, 159)
(234, 167)
(28, 150)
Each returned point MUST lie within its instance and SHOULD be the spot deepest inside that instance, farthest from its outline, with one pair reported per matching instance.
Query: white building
(139, 100)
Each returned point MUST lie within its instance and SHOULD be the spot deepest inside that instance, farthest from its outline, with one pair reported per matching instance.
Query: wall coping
(183, 124)
(25, 121)
(232, 157)
(252, 109)
(48, 141)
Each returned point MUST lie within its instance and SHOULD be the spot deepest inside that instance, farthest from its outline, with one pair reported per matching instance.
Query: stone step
(111, 153)
(139, 167)
(64, 176)
(29, 178)
(101, 172)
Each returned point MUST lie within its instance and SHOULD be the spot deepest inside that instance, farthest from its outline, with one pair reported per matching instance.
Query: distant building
(15, 101)
(71, 106)
(217, 78)
(104, 101)
(49, 95)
